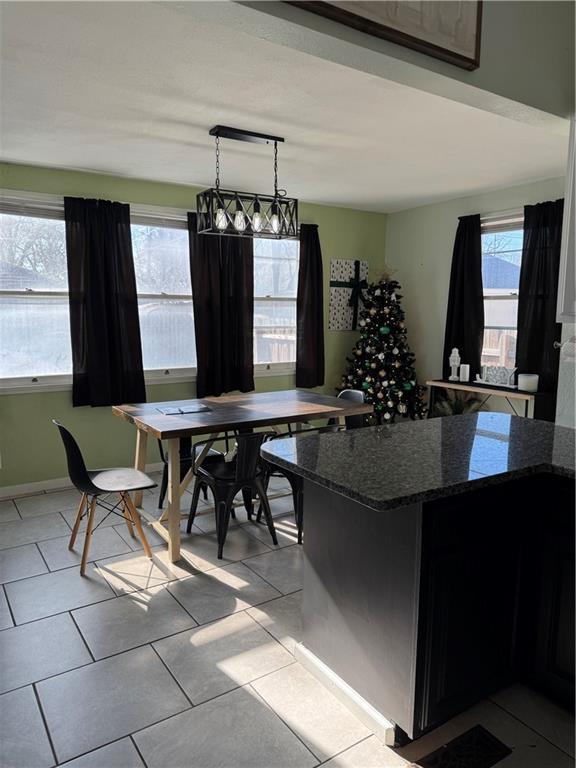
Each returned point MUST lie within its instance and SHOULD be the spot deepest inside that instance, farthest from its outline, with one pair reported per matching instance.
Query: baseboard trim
(57, 484)
(365, 712)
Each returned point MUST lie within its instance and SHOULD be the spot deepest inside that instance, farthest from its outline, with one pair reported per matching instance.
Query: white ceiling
(132, 89)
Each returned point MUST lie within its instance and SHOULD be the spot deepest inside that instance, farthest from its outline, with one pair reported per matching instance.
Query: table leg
(174, 499)
(140, 460)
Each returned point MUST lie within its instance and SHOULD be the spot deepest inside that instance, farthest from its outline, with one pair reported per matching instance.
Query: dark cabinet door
(548, 595)
(469, 586)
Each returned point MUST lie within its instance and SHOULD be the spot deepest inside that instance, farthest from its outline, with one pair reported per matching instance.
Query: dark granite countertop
(413, 461)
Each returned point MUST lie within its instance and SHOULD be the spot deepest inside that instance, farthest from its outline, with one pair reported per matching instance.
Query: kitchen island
(438, 561)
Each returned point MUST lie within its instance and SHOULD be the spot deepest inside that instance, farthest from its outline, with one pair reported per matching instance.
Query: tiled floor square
(89, 707)
(45, 503)
(126, 622)
(133, 571)
(20, 532)
(540, 714)
(41, 649)
(219, 657)
(56, 592)
(8, 511)
(21, 562)
(5, 617)
(120, 754)
(105, 542)
(202, 550)
(133, 542)
(236, 730)
(286, 531)
(282, 618)
(282, 569)
(311, 711)
(221, 592)
(23, 739)
(370, 753)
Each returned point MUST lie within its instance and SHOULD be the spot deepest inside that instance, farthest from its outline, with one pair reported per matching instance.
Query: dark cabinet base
(426, 609)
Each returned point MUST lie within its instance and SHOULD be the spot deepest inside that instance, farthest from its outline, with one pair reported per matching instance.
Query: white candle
(528, 382)
(464, 372)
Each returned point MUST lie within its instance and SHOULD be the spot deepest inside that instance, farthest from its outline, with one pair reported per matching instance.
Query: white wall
(419, 245)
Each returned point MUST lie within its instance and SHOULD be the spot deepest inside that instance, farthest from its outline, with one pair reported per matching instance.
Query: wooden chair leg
(88, 538)
(127, 516)
(77, 522)
(138, 523)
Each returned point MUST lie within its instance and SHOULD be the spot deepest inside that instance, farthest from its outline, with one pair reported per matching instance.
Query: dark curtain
(222, 270)
(104, 324)
(538, 293)
(465, 315)
(310, 311)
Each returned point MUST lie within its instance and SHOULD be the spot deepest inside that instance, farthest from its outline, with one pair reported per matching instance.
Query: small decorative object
(497, 376)
(348, 280)
(384, 330)
(528, 382)
(464, 372)
(454, 361)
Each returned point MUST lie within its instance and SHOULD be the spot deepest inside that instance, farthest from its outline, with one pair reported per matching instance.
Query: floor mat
(477, 748)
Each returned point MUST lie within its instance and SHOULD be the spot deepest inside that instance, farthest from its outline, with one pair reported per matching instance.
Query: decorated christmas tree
(381, 364)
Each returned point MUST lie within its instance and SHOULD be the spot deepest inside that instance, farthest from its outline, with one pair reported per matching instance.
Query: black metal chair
(296, 481)
(94, 484)
(186, 462)
(244, 473)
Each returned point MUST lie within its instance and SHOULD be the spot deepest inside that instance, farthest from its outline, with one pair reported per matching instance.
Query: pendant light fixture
(246, 214)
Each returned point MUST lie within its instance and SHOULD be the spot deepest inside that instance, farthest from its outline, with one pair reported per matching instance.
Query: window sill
(23, 385)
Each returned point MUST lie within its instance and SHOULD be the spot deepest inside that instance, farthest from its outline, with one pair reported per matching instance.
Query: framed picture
(446, 29)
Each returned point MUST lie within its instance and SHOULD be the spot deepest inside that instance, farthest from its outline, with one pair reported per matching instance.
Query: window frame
(41, 205)
(505, 221)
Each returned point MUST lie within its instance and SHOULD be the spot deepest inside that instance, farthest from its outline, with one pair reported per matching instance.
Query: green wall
(29, 445)
(419, 245)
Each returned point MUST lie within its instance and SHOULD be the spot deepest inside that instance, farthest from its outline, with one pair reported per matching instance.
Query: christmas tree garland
(382, 365)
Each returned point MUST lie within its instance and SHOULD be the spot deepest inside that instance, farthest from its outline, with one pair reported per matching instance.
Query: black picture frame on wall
(363, 20)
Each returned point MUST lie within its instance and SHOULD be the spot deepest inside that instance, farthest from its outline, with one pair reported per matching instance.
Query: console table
(487, 391)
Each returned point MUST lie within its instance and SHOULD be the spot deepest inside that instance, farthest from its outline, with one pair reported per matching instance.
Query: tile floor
(168, 666)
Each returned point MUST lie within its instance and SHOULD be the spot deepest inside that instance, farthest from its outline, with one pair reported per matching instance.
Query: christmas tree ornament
(372, 365)
(381, 395)
(402, 408)
(365, 385)
(373, 311)
(395, 351)
(387, 416)
(384, 330)
(390, 404)
(386, 310)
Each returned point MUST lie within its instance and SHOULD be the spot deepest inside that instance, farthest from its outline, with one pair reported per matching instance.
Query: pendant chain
(217, 162)
(275, 169)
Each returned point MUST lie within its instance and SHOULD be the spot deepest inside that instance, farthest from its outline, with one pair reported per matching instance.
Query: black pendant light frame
(246, 214)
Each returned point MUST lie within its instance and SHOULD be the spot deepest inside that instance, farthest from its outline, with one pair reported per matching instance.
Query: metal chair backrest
(354, 396)
(248, 455)
(76, 466)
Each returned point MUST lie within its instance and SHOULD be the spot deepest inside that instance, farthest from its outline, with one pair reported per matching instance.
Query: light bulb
(275, 223)
(257, 222)
(220, 219)
(239, 221)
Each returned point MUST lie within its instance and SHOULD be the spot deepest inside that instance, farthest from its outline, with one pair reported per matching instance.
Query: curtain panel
(222, 271)
(465, 315)
(310, 311)
(104, 324)
(538, 294)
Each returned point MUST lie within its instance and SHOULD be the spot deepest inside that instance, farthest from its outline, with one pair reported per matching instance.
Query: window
(275, 286)
(34, 315)
(162, 266)
(501, 260)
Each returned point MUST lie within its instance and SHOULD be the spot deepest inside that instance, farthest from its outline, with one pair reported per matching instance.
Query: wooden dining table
(166, 421)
